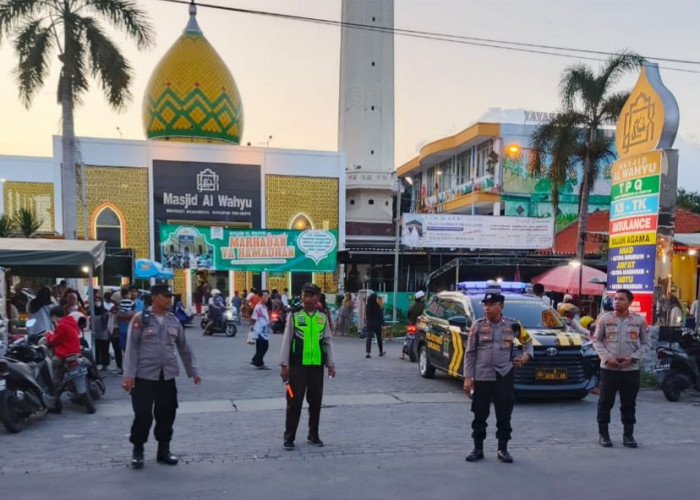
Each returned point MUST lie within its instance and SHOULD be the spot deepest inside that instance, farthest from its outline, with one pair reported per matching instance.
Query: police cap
(161, 290)
(493, 297)
(311, 288)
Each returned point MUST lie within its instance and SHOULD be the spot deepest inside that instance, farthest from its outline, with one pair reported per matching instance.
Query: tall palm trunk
(584, 195)
(69, 187)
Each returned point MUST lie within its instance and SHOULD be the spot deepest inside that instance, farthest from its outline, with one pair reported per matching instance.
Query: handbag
(249, 339)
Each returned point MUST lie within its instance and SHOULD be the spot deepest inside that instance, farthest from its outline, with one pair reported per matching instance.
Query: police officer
(621, 338)
(150, 368)
(306, 346)
(489, 373)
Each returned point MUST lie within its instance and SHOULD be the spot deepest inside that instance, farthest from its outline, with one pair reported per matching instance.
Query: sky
(287, 71)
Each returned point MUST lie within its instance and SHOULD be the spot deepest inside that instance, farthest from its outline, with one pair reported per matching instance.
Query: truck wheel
(426, 369)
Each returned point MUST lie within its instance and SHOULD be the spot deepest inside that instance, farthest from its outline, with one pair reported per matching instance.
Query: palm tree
(574, 136)
(71, 29)
(7, 226)
(27, 222)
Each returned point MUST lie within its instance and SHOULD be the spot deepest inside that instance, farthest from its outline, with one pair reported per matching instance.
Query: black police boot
(604, 436)
(477, 453)
(137, 457)
(164, 456)
(503, 454)
(628, 437)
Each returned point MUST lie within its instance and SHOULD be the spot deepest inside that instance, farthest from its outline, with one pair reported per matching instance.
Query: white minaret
(366, 118)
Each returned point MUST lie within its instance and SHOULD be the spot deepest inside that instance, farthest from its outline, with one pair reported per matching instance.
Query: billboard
(224, 249)
(476, 231)
(196, 191)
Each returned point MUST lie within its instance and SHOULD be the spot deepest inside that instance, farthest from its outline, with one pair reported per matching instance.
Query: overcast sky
(287, 71)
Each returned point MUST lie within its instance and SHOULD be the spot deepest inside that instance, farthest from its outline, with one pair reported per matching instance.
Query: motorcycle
(278, 320)
(183, 314)
(679, 365)
(409, 343)
(225, 323)
(76, 382)
(27, 384)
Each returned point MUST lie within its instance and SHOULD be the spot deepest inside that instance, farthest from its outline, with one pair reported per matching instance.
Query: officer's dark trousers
(151, 398)
(612, 382)
(261, 346)
(500, 392)
(309, 380)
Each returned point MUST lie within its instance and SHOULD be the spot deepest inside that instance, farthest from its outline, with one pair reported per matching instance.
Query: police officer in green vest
(306, 347)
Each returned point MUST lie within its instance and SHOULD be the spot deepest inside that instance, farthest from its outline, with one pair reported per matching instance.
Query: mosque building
(190, 189)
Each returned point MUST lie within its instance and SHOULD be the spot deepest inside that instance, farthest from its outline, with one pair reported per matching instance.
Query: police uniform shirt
(621, 337)
(153, 348)
(489, 349)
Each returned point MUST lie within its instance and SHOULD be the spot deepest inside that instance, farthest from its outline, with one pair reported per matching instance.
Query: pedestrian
(621, 339)
(489, 366)
(285, 298)
(150, 368)
(323, 307)
(307, 346)
(260, 326)
(374, 319)
(538, 291)
(345, 315)
(197, 297)
(129, 305)
(40, 310)
(570, 312)
(414, 312)
(112, 306)
(236, 302)
(100, 329)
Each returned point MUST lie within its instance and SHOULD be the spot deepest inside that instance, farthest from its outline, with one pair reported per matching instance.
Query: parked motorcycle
(27, 384)
(225, 323)
(183, 314)
(679, 365)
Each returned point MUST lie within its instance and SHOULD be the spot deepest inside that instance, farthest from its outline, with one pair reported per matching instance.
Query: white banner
(476, 231)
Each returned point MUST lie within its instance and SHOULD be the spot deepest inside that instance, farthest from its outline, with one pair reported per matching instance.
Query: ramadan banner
(222, 249)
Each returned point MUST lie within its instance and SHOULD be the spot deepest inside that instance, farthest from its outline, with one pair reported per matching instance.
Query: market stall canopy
(49, 257)
(146, 269)
(690, 240)
(564, 279)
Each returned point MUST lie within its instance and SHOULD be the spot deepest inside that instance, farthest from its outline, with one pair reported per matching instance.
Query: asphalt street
(389, 434)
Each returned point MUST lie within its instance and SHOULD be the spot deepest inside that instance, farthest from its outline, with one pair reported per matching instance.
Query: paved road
(388, 432)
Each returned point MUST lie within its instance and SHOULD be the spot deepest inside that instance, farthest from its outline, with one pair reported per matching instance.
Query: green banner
(635, 187)
(223, 249)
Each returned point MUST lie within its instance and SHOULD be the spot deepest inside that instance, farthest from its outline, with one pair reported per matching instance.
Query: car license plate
(550, 374)
(3, 384)
(76, 373)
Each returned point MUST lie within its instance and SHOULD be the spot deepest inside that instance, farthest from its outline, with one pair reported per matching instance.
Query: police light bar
(492, 286)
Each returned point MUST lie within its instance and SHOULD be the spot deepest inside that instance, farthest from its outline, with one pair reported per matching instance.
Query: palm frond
(14, 12)
(576, 82)
(617, 66)
(7, 226)
(612, 106)
(126, 16)
(27, 222)
(33, 44)
(108, 65)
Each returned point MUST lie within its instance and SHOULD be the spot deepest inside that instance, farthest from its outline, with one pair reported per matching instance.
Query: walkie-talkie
(516, 334)
(146, 316)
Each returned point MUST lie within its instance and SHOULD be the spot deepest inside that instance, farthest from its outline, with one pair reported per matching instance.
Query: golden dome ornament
(192, 96)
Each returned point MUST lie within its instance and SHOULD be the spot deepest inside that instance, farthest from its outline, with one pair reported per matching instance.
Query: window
(463, 163)
(352, 202)
(434, 308)
(301, 222)
(371, 202)
(482, 157)
(108, 228)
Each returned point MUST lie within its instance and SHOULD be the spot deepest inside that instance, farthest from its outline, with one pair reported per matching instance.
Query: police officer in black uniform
(489, 373)
(150, 368)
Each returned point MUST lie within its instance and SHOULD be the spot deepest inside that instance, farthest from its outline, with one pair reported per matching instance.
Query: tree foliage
(574, 136)
(689, 199)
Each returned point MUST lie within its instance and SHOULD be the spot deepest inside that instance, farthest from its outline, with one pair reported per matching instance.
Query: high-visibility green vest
(306, 345)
